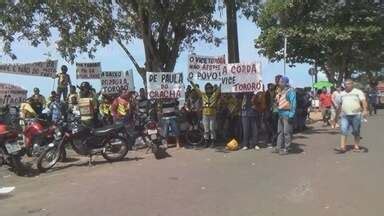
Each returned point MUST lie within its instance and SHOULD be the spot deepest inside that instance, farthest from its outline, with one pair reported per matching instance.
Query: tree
(166, 27)
(337, 36)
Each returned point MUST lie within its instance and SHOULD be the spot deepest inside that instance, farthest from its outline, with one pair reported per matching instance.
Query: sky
(113, 58)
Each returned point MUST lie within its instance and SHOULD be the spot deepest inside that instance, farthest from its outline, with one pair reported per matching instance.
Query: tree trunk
(232, 37)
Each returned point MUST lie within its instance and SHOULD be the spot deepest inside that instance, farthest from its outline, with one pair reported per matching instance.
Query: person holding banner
(210, 100)
(286, 105)
(168, 112)
(64, 80)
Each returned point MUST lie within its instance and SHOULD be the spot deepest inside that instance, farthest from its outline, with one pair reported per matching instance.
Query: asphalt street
(208, 182)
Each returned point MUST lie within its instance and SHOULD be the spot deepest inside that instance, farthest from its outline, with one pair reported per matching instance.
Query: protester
(105, 110)
(51, 98)
(143, 107)
(64, 80)
(210, 100)
(168, 119)
(72, 93)
(73, 106)
(88, 105)
(352, 107)
(274, 90)
(121, 107)
(57, 109)
(38, 100)
(26, 110)
(193, 107)
(261, 106)
(286, 105)
(234, 122)
(249, 122)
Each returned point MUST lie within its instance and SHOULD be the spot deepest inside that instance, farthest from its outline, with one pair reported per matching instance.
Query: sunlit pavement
(311, 181)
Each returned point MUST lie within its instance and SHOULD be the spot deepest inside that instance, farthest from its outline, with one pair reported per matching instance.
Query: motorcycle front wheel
(48, 158)
(116, 148)
(194, 137)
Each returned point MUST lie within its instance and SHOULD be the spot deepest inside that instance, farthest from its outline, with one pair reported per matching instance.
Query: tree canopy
(341, 37)
(166, 27)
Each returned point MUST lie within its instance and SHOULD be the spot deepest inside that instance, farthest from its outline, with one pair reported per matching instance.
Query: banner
(11, 94)
(162, 85)
(240, 77)
(205, 67)
(88, 70)
(43, 69)
(112, 82)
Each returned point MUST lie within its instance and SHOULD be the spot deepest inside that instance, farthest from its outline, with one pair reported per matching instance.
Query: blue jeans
(284, 133)
(350, 121)
(250, 131)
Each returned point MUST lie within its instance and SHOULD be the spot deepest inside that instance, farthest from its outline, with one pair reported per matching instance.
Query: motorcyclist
(87, 104)
(105, 110)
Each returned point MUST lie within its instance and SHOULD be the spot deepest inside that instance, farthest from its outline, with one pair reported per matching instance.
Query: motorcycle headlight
(58, 133)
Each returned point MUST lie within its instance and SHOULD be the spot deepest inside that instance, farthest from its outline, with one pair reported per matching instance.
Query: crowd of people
(265, 119)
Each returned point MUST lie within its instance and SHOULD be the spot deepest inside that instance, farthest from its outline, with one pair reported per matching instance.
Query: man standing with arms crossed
(352, 106)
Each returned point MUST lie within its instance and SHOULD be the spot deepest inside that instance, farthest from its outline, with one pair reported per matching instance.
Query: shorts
(350, 121)
(169, 127)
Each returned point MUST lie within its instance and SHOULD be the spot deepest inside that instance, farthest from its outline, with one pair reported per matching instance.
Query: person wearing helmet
(286, 106)
(38, 100)
(210, 100)
(105, 110)
(87, 104)
(64, 80)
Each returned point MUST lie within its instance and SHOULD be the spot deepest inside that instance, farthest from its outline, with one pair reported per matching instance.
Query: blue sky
(113, 58)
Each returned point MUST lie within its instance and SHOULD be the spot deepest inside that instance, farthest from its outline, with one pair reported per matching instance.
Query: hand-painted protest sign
(88, 70)
(162, 85)
(241, 78)
(113, 82)
(11, 94)
(43, 69)
(205, 67)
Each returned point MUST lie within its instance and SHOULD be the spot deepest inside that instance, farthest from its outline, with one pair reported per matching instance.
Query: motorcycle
(37, 135)
(86, 141)
(193, 131)
(11, 150)
(148, 132)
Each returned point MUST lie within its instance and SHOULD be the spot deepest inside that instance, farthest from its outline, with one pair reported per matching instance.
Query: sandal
(340, 150)
(357, 150)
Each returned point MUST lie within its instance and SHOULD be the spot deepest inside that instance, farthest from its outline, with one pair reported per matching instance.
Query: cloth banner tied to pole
(165, 85)
(43, 68)
(11, 94)
(112, 82)
(88, 70)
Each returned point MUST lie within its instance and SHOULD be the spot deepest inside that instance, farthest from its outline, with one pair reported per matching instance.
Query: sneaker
(275, 150)
(257, 148)
(283, 152)
(245, 148)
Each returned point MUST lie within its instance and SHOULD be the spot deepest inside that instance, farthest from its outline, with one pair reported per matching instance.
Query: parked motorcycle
(106, 141)
(11, 150)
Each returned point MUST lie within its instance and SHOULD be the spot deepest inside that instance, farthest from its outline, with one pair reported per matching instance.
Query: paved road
(314, 181)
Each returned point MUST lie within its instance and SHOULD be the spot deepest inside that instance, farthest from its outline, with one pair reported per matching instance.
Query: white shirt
(350, 102)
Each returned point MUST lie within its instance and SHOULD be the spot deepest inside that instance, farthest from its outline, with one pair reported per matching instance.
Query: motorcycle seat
(107, 129)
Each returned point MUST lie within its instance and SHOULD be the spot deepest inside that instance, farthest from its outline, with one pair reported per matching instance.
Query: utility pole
(232, 37)
(285, 54)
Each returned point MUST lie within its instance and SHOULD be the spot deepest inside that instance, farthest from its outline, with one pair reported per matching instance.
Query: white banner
(241, 77)
(88, 70)
(43, 69)
(11, 94)
(163, 85)
(112, 82)
(205, 68)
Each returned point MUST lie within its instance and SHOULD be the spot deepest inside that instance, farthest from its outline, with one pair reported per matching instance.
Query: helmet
(36, 90)
(85, 85)
(233, 145)
(64, 68)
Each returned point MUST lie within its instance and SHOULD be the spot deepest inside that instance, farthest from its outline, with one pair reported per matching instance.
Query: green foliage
(340, 36)
(166, 27)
